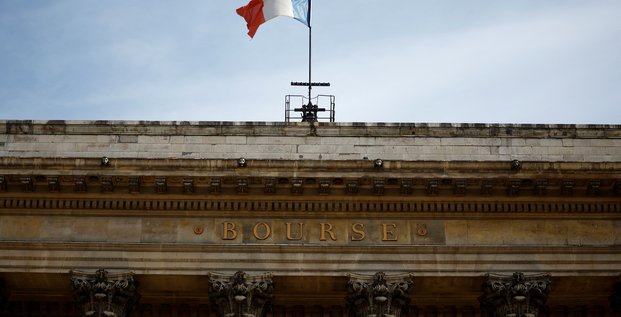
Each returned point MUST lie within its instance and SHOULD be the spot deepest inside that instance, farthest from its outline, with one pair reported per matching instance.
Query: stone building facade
(119, 218)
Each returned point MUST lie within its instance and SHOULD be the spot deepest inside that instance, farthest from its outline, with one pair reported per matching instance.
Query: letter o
(255, 231)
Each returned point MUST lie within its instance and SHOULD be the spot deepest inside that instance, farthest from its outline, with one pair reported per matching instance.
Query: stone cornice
(307, 178)
(271, 166)
(163, 165)
(303, 129)
(444, 189)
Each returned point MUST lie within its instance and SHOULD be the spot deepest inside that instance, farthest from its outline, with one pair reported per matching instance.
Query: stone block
(204, 155)
(21, 147)
(218, 148)
(128, 139)
(347, 148)
(530, 232)
(341, 141)
(154, 147)
(123, 229)
(590, 232)
(543, 142)
(77, 138)
(23, 138)
(197, 139)
(342, 156)
(285, 140)
(456, 232)
(177, 139)
(317, 149)
(574, 158)
(601, 158)
(407, 141)
(16, 228)
(122, 147)
(235, 139)
(474, 142)
(240, 130)
(513, 142)
(567, 142)
(159, 230)
(563, 150)
(153, 139)
(107, 139)
(117, 154)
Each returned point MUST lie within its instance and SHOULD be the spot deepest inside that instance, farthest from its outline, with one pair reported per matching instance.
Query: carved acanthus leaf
(241, 295)
(378, 295)
(105, 294)
(516, 295)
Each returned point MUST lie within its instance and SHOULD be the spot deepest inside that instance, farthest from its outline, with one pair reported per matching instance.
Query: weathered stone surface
(213, 140)
(173, 203)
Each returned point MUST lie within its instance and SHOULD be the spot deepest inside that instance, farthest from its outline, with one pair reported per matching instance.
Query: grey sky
(526, 61)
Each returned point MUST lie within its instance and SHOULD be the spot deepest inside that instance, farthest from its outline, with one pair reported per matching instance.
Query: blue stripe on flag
(301, 11)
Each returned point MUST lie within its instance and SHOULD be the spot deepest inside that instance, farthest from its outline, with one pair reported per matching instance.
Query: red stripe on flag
(253, 14)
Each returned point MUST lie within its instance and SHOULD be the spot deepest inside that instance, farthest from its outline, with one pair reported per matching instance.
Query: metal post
(309, 50)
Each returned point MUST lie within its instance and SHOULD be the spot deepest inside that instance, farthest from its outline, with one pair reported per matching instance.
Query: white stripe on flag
(274, 8)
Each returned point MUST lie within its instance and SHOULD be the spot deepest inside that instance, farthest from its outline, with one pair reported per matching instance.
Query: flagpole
(309, 111)
(309, 50)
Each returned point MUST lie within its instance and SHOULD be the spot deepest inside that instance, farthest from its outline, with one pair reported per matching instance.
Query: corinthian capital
(516, 295)
(241, 295)
(378, 295)
(104, 294)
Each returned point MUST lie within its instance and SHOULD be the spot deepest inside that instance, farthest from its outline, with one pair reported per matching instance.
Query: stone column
(241, 295)
(615, 299)
(4, 294)
(516, 295)
(104, 294)
(378, 295)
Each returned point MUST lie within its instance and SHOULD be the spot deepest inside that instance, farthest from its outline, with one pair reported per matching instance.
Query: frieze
(320, 231)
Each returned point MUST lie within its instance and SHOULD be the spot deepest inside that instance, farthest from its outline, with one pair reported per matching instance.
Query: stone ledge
(309, 260)
(561, 131)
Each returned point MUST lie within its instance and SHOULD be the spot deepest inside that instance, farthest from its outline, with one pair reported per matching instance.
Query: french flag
(256, 12)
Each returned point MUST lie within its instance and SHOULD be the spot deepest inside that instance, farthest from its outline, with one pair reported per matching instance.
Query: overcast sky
(514, 61)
